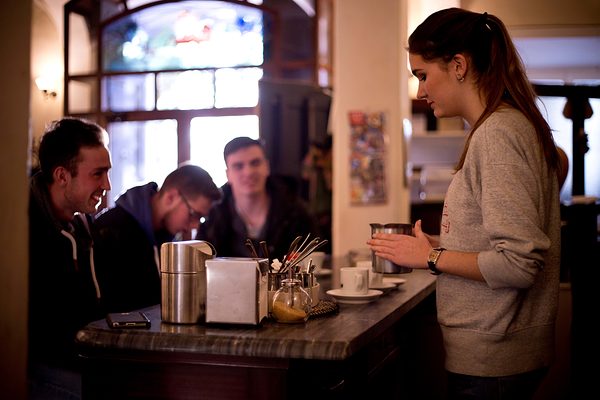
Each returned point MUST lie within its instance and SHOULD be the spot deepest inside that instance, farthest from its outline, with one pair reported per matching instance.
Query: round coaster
(325, 307)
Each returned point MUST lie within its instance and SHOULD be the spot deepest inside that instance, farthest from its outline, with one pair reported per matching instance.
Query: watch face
(433, 256)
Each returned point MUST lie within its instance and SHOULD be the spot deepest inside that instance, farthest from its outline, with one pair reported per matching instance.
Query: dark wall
(292, 116)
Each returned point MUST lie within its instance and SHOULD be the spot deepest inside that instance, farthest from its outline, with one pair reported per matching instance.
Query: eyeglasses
(193, 214)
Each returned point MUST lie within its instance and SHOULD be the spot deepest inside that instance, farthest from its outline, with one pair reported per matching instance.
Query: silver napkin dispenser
(183, 280)
(236, 290)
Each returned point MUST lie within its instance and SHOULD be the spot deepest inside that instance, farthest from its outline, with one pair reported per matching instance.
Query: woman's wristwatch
(433, 258)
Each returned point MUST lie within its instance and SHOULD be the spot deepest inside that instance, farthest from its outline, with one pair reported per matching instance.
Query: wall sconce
(46, 85)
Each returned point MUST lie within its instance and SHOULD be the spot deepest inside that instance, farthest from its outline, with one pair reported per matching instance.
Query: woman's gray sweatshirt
(503, 204)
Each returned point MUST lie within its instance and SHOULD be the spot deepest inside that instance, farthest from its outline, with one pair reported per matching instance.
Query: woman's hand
(408, 251)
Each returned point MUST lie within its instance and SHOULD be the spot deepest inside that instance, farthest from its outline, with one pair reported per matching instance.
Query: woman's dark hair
(495, 64)
(62, 141)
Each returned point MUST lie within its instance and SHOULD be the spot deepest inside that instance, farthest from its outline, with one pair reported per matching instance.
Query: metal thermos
(382, 265)
(183, 280)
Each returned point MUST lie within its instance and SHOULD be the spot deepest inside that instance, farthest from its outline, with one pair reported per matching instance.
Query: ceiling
(560, 51)
(568, 59)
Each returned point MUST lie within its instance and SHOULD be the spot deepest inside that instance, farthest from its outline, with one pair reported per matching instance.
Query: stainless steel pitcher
(382, 265)
(183, 280)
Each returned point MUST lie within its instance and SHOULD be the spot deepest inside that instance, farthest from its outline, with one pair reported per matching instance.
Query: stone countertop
(332, 337)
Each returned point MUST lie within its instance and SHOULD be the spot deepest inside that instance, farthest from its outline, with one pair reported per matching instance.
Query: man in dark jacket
(63, 290)
(130, 234)
(255, 205)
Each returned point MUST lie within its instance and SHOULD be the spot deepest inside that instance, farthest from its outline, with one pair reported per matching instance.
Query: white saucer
(323, 272)
(384, 287)
(395, 281)
(345, 298)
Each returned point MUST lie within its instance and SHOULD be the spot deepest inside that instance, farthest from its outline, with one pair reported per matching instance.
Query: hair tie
(484, 21)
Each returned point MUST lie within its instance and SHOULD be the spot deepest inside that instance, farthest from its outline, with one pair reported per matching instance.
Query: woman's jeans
(512, 387)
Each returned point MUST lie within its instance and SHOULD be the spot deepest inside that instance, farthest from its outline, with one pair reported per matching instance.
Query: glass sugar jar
(291, 303)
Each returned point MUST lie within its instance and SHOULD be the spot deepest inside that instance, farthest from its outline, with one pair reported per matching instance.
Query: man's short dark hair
(239, 143)
(192, 181)
(62, 141)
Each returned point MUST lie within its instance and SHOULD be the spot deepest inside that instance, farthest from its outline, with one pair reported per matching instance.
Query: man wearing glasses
(131, 233)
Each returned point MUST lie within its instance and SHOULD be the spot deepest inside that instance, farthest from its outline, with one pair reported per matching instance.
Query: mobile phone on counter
(136, 319)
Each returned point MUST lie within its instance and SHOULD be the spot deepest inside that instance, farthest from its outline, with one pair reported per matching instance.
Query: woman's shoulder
(505, 135)
(507, 117)
(506, 124)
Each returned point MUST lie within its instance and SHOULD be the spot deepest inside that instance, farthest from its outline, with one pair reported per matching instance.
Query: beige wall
(370, 76)
(46, 59)
(540, 13)
(15, 26)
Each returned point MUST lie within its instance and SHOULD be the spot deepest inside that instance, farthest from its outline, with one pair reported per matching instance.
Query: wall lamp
(46, 85)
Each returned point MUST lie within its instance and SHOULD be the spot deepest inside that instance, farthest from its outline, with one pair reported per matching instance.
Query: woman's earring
(460, 78)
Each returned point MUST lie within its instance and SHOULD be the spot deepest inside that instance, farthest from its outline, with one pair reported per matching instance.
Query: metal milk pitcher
(382, 265)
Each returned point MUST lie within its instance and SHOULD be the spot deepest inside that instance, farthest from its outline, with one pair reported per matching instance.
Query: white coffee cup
(355, 281)
(317, 257)
(375, 278)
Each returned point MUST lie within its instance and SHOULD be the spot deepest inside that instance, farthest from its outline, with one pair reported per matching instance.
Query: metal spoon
(309, 249)
(250, 247)
(290, 253)
(264, 249)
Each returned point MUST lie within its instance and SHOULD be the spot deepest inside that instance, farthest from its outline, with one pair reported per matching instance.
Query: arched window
(172, 81)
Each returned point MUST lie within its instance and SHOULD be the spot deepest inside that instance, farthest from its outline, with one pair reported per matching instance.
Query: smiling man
(255, 205)
(130, 235)
(63, 291)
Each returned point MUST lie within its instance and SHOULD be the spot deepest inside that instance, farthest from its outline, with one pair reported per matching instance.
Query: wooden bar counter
(389, 346)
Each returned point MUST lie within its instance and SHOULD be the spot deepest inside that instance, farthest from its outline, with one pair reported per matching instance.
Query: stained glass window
(185, 35)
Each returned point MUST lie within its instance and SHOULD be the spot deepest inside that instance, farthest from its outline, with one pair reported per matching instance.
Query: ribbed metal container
(382, 265)
(183, 280)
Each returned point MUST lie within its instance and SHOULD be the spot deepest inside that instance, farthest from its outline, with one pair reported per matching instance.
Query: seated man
(63, 290)
(131, 233)
(255, 205)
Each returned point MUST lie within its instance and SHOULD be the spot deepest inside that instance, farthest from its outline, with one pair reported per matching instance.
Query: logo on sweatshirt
(445, 220)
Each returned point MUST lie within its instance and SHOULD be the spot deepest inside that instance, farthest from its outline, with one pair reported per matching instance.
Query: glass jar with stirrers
(298, 252)
(291, 303)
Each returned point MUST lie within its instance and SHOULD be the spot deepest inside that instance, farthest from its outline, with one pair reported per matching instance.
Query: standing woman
(498, 253)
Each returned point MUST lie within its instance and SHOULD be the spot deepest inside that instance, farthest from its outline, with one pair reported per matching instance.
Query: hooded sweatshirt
(64, 294)
(127, 251)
